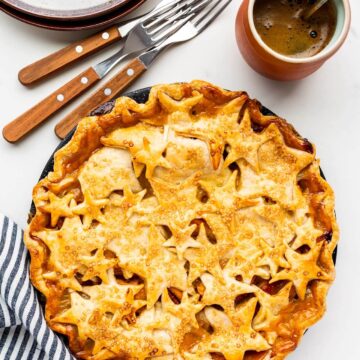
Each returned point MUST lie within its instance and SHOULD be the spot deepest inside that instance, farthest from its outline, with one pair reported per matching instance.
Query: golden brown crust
(191, 227)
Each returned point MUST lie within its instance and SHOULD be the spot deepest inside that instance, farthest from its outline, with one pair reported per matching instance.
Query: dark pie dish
(302, 250)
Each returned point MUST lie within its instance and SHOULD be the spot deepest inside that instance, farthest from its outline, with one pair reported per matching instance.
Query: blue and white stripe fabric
(24, 334)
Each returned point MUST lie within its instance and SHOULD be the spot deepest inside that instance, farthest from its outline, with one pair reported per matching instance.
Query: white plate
(65, 9)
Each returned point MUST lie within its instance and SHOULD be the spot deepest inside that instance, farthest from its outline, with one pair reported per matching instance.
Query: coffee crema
(281, 26)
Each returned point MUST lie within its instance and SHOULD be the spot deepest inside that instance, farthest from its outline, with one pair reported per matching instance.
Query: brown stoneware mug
(276, 66)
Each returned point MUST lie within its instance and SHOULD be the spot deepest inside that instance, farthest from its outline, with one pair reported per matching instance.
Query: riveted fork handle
(107, 92)
(28, 121)
(68, 55)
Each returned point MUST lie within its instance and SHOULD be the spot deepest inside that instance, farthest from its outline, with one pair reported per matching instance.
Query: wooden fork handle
(68, 55)
(26, 122)
(106, 93)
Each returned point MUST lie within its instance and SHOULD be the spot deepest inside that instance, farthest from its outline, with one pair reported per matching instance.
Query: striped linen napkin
(24, 334)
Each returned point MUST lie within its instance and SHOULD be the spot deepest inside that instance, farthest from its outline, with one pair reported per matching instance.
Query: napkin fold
(24, 334)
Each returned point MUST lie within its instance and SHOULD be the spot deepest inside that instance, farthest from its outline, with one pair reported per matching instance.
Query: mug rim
(322, 55)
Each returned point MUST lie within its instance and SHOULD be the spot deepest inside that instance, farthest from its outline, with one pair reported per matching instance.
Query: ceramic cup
(276, 66)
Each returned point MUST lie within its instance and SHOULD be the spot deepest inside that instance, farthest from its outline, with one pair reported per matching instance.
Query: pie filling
(190, 227)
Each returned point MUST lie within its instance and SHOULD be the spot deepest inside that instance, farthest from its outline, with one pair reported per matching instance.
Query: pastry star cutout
(224, 295)
(184, 194)
(113, 296)
(306, 234)
(303, 269)
(138, 343)
(244, 142)
(97, 265)
(130, 254)
(58, 207)
(243, 263)
(233, 338)
(225, 241)
(274, 257)
(284, 224)
(69, 244)
(90, 208)
(279, 166)
(204, 259)
(181, 239)
(226, 200)
(271, 305)
(177, 203)
(150, 156)
(212, 132)
(185, 317)
(78, 314)
(128, 201)
(164, 269)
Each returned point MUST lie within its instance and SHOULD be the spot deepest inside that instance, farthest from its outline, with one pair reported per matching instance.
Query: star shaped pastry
(203, 259)
(224, 294)
(232, 338)
(128, 201)
(58, 207)
(178, 203)
(183, 318)
(244, 143)
(270, 307)
(225, 240)
(69, 244)
(307, 234)
(112, 297)
(226, 200)
(214, 133)
(78, 314)
(181, 239)
(90, 208)
(150, 156)
(164, 269)
(244, 262)
(132, 255)
(276, 177)
(274, 257)
(97, 265)
(304, 268)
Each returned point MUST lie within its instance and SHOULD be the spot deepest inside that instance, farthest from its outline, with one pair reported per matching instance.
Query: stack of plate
(69, 14)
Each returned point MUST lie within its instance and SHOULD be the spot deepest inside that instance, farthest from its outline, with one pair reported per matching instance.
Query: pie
(189, 227)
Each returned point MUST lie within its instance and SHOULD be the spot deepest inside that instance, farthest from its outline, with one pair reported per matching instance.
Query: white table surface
(324, 107)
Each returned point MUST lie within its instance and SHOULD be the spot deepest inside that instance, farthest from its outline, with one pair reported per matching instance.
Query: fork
(83, 48)
(143, 36)
(140, 64)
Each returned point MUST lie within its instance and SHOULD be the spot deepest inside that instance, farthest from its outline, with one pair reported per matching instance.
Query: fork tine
(207, 16)
(198, 4)
(201, 4)
(160, 11)
(205, 12)
(177, 5)
(174, 27)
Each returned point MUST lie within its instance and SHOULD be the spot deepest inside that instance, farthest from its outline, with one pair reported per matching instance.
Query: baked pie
(189, 227)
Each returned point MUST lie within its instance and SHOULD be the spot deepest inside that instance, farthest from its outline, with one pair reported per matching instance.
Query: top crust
(188, 227)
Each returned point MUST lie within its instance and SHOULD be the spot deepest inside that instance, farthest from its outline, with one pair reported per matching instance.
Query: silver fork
(140, 64)
(83, 48)
(146, 35)
(142, 37)
(190, 30)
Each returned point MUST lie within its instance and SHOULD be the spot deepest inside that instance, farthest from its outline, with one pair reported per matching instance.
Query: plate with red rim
(90, 23)
(66, 10)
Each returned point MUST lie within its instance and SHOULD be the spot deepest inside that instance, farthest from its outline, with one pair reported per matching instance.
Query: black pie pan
(140, 96)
